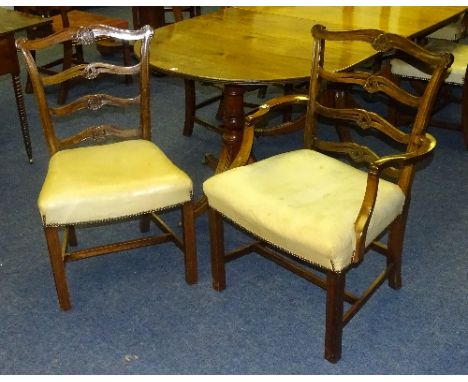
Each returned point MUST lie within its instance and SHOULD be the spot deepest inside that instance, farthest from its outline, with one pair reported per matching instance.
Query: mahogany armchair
(105, 173)
(322, 208)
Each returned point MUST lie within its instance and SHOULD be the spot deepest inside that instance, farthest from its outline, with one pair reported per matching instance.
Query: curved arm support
(248, 135)
(425, 146)
(274, 104)
(245, 149)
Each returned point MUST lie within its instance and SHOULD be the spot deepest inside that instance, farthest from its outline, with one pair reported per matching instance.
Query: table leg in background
(9, 65)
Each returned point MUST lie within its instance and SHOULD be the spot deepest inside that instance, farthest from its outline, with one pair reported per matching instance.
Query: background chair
(453, 31)
(307, 209)
(160, 16)
(104, 173)
(157, 17)
(455, 89)
(64, 17)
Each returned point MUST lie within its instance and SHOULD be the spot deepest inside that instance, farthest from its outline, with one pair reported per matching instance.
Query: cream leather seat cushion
(456, 73)
(98, 183)
(303, 202)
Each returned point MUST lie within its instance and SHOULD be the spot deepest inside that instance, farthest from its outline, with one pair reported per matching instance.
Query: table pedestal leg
(233, 126)
(190, 107)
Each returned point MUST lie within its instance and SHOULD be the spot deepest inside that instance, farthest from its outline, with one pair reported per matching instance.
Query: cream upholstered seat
(99, 183)
(323, 207)
(304, 202)
(105, 173)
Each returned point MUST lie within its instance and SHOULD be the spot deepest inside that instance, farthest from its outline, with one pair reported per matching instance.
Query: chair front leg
(334, 316)
(217, 249)
(190, 251)
(58, 266)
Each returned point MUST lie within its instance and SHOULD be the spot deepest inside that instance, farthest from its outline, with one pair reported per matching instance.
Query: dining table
(12, 22)
(242, 46)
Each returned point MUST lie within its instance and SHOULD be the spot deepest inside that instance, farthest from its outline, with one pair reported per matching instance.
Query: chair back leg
(145, 223)
(190, 256)
(464, 110)
(72, 241)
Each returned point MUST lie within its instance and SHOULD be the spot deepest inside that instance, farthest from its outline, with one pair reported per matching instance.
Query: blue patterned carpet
(134, 314)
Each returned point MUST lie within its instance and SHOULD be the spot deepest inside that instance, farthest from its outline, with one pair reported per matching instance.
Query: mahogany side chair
(311, 210)
(105, 173)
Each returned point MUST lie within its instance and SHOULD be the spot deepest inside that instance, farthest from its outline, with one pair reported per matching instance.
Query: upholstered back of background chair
(451, 38)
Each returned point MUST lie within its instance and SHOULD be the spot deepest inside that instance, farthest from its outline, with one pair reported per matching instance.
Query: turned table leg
(9, 65)
(22, 116)
(233, 124)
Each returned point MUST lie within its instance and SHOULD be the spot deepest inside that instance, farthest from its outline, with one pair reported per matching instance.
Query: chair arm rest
(244, 154)
(273, 104)
(425, 146)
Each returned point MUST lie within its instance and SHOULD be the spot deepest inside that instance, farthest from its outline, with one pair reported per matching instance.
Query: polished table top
(273, 44)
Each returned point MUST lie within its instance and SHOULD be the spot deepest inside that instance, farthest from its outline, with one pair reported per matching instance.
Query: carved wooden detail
(84, 36)
(95, 102)
(382, 43)
(365, 120)
(90, 72)
(373, 83)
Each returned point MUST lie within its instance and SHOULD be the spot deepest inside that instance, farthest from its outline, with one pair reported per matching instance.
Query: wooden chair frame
(399, 167)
